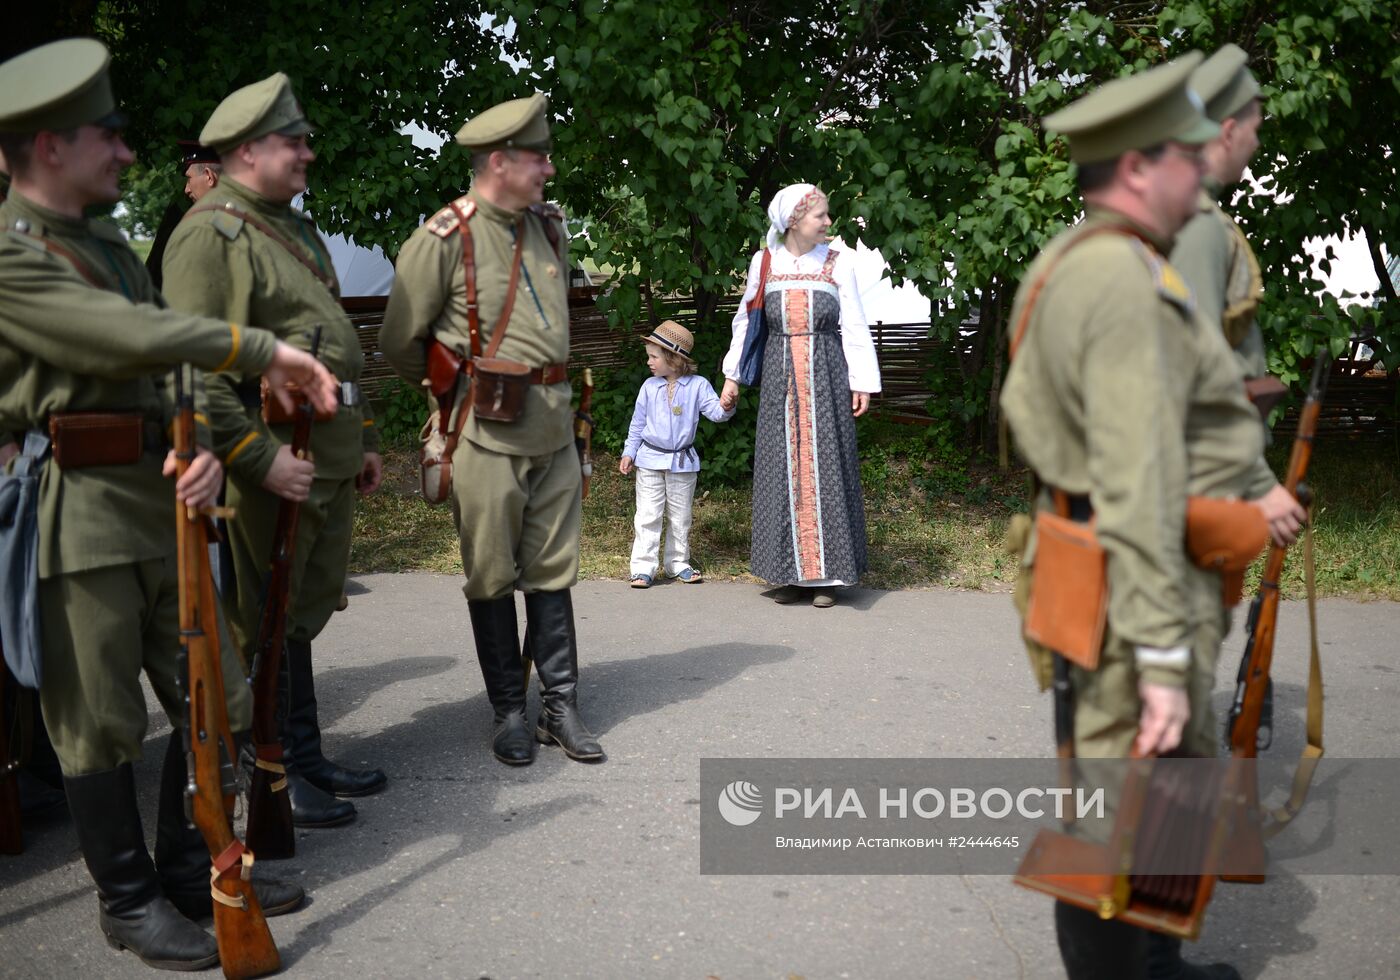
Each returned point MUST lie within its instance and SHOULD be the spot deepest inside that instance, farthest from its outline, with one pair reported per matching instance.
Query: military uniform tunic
(85, 337)
(220, 265)
(515, 484)
(1215, 259)
(1120, 391)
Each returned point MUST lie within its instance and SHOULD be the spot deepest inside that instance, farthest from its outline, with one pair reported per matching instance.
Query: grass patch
(931, 522)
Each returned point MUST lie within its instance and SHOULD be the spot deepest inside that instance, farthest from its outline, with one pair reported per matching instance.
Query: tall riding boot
(1164, 962)
(1098, 949)
(311, 805)
(494, 629)
(551, 643)
(182, 856)
(132, 912)
(304, 731)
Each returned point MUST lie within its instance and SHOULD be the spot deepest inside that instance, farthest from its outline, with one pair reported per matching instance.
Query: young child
(661, 441)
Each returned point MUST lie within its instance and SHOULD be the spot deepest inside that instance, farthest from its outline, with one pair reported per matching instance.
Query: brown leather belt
(550, 374)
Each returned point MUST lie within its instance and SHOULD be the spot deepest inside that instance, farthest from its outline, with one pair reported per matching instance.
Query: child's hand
(624, 465)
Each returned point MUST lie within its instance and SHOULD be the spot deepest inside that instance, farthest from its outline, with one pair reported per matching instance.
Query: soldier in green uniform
(1123, 396)
(516, 493)
(244, 252)
(83, 331)
(1211, 252)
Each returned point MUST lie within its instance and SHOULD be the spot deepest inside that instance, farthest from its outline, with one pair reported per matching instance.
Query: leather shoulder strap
(763, 269)
(73, 259)
(1039, 284)
(499, 334)
(462, 209)
(270, 232)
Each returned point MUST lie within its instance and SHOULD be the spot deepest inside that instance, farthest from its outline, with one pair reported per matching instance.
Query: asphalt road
(466, 868)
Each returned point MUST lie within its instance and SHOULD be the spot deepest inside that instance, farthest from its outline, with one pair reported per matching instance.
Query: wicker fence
(1361, 403)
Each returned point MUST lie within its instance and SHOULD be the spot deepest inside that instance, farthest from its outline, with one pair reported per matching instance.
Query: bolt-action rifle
(270, 829)
(246, 948)
(1247, 729)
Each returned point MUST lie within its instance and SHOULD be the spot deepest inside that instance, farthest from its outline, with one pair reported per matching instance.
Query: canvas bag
(19, 562)
(756, 337)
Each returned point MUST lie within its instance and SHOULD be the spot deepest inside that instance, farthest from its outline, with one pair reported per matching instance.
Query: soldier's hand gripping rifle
(1252, 684)
(270, 830)
(246, 948)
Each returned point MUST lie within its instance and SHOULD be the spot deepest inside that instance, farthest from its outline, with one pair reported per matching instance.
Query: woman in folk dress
(808, 514)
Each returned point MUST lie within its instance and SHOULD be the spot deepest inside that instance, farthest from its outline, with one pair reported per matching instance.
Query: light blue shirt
(659, 438)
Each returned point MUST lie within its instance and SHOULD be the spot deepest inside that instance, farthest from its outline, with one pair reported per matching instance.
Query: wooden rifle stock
(11, 832)
(246, 948)
(270, 830)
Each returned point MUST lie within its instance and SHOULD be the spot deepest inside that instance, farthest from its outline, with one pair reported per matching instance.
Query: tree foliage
(680, 118)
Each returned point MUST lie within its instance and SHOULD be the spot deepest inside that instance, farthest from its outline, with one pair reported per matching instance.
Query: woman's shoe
(689, 576)
(824, 598)
(641, 581)
(789, 594)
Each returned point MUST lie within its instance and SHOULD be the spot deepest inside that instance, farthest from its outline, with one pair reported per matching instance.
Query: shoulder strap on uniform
(229, 208)
(1039, 284)
(552, 218)
(448, 218)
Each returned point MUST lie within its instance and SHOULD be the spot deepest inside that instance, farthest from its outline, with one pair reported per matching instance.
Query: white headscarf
(781, 209)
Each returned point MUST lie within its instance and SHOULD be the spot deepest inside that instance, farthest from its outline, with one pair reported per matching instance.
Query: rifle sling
(1313, 751)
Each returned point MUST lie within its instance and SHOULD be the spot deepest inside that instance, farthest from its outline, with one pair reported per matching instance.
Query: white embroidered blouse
(861, 364)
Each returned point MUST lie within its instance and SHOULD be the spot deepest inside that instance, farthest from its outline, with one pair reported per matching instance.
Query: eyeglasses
(1191, 154)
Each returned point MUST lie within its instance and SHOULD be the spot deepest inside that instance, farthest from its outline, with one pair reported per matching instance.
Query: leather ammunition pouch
(1068, 607)
(82, 439)
(1225, 536)
(498, 388)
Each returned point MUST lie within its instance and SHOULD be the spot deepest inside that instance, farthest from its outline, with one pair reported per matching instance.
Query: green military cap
(268, 106)
(1135, 113)
(517, 124)
(58, 86)
(1225, 83)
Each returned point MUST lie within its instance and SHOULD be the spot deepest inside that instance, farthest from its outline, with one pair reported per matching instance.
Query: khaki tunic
(218, 265)
(108, 594)
(516, 485)
(1122, 392)
(1216, 261)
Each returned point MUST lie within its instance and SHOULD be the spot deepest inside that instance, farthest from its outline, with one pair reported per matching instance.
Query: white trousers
(662, 492)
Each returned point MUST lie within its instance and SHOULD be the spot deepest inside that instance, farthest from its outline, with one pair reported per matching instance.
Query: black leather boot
(551, 643)
(304, 733)
(1164, 962)
(311, 806)
(182, 857)
(495, 631)
(132, 912)
(1098, 949)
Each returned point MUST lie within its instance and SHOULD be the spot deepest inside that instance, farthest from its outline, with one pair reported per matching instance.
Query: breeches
(517, 519)
(101, 629)
(319, 563)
